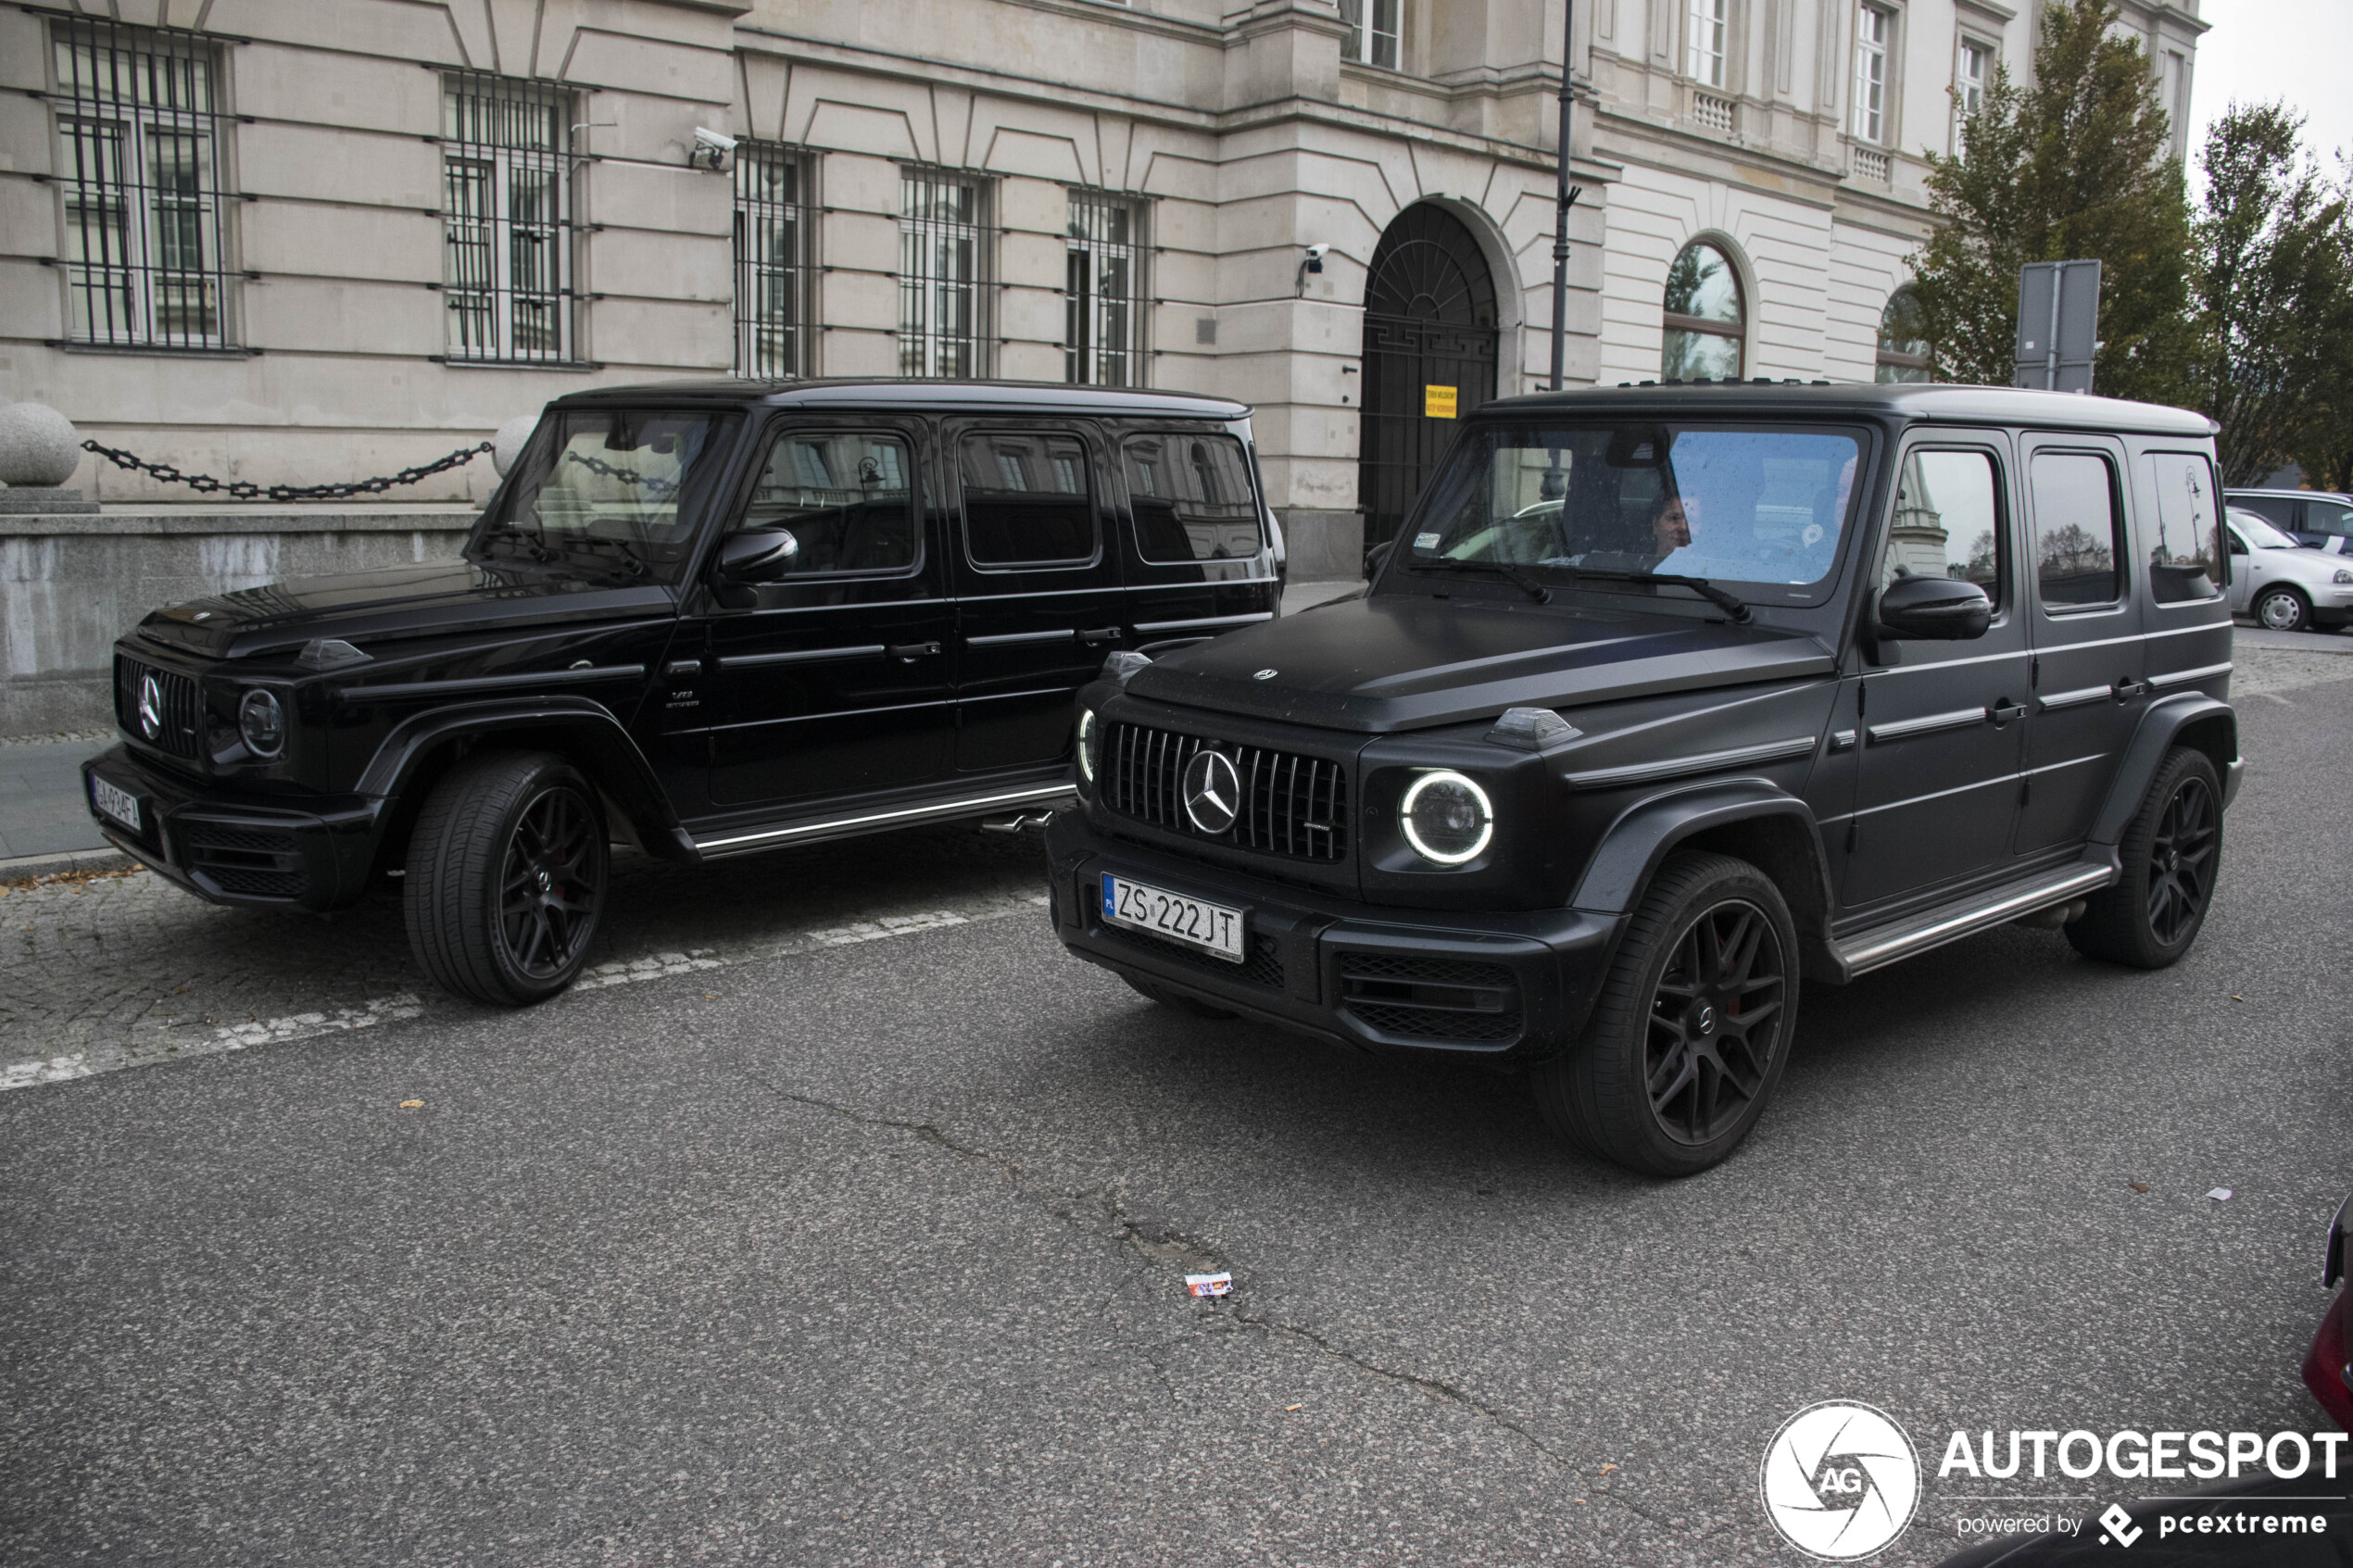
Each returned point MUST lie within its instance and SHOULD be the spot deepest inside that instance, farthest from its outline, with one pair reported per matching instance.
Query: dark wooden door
(1429, 323)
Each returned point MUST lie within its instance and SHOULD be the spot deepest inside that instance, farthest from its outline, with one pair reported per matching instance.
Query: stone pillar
(39, 451)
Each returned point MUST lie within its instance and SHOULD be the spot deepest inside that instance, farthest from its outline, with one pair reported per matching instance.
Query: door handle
(2127, 689)
(912, 651)
(2003, 712)
(1101, 635)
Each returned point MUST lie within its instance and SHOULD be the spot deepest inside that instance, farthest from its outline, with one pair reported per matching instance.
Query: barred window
(943, 263)
(146, 237)
(775, 322)
(506, 220)
(1103, 329)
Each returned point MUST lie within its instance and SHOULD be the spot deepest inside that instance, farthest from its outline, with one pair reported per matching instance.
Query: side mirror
(1377, 557)
(1941, 608)
(757, 555)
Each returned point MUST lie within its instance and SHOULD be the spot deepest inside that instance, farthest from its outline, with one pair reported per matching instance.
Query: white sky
(2300, 50)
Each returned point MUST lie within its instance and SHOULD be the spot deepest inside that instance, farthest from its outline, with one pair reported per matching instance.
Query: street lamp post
(1566, 199)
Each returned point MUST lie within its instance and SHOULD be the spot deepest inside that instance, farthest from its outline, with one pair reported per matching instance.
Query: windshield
(2259, 534)
(609, 489)
(1756, 506)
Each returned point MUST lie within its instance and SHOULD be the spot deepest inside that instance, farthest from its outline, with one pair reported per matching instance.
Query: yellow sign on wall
(1438, 402)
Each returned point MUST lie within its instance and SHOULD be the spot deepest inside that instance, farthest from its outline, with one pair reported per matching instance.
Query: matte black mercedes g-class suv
(1663, 698)
(704, 619)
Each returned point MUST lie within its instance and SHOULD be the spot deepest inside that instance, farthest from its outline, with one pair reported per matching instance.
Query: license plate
(1211, 927)
(121, 805)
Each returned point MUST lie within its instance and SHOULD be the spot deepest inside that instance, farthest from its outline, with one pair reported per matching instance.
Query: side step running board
(994, 804)
(1877, 949)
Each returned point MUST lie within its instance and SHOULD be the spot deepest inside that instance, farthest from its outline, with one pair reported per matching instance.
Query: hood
(392, 604)
(1403, 661)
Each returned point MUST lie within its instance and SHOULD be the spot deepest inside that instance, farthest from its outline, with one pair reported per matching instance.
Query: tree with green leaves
(2074, 165)
(2271, 278)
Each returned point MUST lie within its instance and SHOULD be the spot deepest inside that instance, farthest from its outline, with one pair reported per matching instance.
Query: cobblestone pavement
(121, 971)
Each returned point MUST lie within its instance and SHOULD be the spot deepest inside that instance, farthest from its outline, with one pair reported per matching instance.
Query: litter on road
(1210, 1285)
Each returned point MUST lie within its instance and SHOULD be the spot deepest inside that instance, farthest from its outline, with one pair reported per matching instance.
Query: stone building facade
(296, 241)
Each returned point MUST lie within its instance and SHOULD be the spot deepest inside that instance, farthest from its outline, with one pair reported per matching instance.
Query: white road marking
(303, 1026)
(57, 1070)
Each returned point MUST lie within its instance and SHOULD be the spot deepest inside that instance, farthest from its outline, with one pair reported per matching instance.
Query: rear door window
(2079, 531)
(1191, 498)
(1028, 498)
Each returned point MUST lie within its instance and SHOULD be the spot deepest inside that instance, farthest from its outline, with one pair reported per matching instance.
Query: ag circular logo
(1213, 791)
(1840, 1480)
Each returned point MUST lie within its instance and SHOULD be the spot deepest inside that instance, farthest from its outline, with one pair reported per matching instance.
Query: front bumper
(1506, 984)
(233, 849)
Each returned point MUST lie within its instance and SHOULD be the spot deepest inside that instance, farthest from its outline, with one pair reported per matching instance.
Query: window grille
(507, 220)
(943, 261)
(1104, 304)
(774, 281)
(146, 231)
(1372, 38)
(1871, 29)
(1703, 42)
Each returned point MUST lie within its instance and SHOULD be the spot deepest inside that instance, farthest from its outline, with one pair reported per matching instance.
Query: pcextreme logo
(1840, 1480)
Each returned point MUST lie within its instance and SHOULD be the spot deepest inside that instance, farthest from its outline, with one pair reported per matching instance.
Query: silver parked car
(2283, 585)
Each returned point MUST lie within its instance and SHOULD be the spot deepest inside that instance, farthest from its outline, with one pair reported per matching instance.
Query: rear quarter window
(1191, 497)
(2183, 539)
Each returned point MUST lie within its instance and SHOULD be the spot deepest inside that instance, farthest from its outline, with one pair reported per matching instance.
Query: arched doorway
(1430, 329)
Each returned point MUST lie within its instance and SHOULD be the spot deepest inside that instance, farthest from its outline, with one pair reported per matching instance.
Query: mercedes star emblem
(1213, 791)
(1263, 675)
(150, 707)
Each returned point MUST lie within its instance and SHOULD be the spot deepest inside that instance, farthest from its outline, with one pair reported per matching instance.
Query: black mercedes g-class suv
(703, 619)
(1663, 698)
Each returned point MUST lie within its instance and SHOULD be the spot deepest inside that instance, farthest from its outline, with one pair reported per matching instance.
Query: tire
(506, 879)
(1725, 919)
(2282, 609)
(2172, 853)
(1170, 999)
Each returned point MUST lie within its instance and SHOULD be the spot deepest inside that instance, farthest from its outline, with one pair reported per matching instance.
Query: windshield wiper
(1504, 570)
(1700, 585)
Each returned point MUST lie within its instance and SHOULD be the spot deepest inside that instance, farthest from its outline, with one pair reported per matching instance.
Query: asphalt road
(853, 1230)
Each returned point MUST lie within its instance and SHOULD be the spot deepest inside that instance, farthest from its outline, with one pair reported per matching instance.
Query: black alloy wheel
(549, 887)
(2172, 854)
(506, 877)
(1715, 1019)
(1691, 1029)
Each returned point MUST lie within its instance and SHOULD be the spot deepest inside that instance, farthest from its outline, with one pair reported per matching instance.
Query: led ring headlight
(262, 721)
(1446, 818)
(1086, 744)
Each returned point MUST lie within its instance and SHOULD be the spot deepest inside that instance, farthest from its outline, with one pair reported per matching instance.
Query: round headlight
(1087, 744)
(1447, 819)
(263, 723)
(2342, 576)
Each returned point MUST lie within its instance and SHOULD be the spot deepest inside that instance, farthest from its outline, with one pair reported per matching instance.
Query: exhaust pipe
(2054, 917)
(1019, 822)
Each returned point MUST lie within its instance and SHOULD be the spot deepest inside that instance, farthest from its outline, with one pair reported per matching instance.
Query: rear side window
(2277, 511)
(1948, 522)
(1191, 497)
(2185, 546)
(2328, 517)
(1028, 498)
(2079, 531)
(846, 498)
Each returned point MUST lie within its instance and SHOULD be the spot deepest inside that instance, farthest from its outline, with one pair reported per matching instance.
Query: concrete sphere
(507, 445)
(38, 445)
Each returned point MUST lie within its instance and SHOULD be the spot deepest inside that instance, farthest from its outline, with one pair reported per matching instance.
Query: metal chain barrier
(242, 490)
(652, 484)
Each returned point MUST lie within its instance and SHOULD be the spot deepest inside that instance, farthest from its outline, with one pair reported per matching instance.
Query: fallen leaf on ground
(1288, 1408)
(412, 1105)
(1608, 1468)
(2138, 1187)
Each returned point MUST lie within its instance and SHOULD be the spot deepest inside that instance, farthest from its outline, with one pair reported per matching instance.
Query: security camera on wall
(1315, 257)
(711, 149)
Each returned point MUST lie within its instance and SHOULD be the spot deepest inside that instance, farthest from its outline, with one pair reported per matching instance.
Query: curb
(25, 866)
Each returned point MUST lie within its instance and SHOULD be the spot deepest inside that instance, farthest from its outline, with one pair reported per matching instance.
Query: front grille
(1263, 966)
(1449, 999)
(1291, 805)
(181, 722)
(253, 861)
